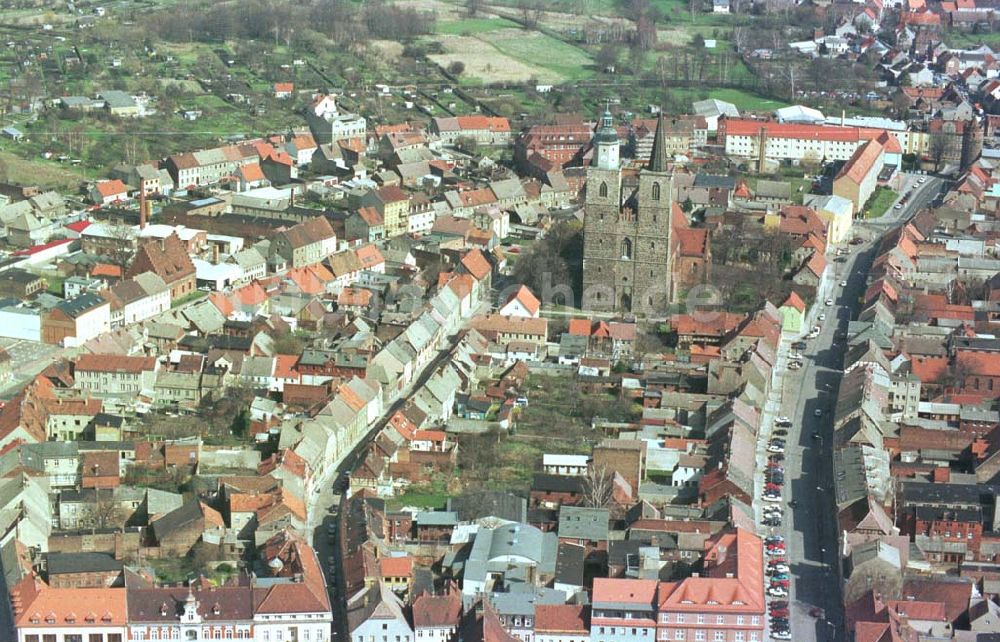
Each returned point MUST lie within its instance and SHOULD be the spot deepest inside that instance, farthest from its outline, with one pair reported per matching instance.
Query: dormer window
(71, 618)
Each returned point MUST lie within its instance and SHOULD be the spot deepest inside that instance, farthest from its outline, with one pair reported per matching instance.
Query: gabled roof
(476, 264)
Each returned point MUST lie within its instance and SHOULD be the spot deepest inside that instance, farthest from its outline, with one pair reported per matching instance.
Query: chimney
(142, 204)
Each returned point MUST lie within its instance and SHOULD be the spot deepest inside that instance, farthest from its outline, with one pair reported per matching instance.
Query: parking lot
(28, 358)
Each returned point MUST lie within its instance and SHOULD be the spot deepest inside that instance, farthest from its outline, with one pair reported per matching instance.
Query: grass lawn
(744, 100)
(959, 39)
(572, 63)
(430, 501)
(475, 25)
(880, 202)
(47, 174)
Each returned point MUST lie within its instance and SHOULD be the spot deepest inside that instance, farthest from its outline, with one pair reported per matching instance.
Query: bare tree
(937, 147)
(598, 485)
(105, 512)
(121, 243)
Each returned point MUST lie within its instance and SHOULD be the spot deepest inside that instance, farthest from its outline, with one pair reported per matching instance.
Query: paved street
(810, 527)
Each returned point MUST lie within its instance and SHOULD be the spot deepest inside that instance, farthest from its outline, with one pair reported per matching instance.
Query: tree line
(342, 21)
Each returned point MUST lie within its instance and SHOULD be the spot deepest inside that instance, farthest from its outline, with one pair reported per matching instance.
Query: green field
(475, 25)
(744, 100)
(572, 63)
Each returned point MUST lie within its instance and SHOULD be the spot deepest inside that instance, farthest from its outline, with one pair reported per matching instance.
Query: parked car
(779, 612)
(785, 421)
(843, 284)
(777, 591)
(818, 412)
(781, 635)
(829, 302)
(780, 432)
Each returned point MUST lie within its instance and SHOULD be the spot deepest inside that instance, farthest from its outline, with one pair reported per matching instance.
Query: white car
(783, 421)
(899, 206)
(776, 552)
(781, 635)
(922, 180)
(829, 302)
(818, 412)
(822, 316)
(843, 284)
(771, 498)
(777, 591)
(778, 568)
(780, 450)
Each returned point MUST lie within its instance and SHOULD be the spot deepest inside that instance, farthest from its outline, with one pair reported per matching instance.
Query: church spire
(658, 157)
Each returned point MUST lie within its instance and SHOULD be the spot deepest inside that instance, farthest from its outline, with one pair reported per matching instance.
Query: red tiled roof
(794, 301)
(562, 618)
(106, 269)
(490, 123)
(861, 162)
(624, 591)
(111, 188)
(113, 363)
(979, 364)
(475, 262)
(396, 566)
(284, 87)
(579, 327)
(527, 299)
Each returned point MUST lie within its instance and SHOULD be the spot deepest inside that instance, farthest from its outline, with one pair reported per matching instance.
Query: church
(628, 252)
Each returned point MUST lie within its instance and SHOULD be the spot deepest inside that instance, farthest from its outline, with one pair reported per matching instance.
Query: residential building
(723, 602)
(485, 130)
(114, 375)
(623, 610)
(305, 243)
(859, 176)
(168, 259)
(46, 614)
(394, 206)
(74, 322)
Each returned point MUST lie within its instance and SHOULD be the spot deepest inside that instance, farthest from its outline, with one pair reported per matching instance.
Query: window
(739, 620)
(701, 618)
(680, 618)
(627, 249)
(95, 637)
(720, 619)
(740, 635)
(699, 636)
(603, 191)
(31, 638)
(720, 636)
(754, 620)
(679, 634)
(656, 191)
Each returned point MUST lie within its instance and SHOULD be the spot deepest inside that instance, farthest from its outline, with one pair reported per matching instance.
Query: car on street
(921, 180)
(771, 497)
(783, 421)
(781, 635)
(773, 448)
(818, 412)
(780, 432)
(799, 345)
(794, 503)
(773, 538)
(776, 457)
(774, 522)
(778, 568)
(794, 365)
(829, 302)
(777, 591)
(899, 206)
(843, 284)
(822, 317)
(779, 612)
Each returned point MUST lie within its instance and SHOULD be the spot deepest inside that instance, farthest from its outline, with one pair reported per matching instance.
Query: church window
(603, 191)
(627, 249)
(656, 191)
(652, 245)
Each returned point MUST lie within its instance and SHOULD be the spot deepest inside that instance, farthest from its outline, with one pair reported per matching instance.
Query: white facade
(145, 308)
(305, 627)
(21, 323)
(567, 465)
(813, 148)
(68, 633)
(90, 324)
(347, 126)
(421, 222)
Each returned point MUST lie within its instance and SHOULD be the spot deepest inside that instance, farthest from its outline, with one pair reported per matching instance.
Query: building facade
(627, 255)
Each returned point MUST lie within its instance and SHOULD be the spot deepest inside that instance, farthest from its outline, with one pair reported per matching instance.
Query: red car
(779, 612)
(781, 583)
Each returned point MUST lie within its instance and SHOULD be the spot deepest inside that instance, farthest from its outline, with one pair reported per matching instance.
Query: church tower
(627, 253)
